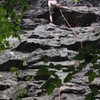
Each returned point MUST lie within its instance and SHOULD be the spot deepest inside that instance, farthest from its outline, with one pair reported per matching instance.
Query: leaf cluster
(15, 70)
(21, 93)
(53, 80)
(86, 56)
(11, 13)
(90, 55)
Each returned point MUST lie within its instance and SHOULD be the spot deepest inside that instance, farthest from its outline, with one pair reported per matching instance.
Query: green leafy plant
(29, 78)
(11, 13)
(53, 80)
(15, 70)
(21, 93)
(86, 55)
(90, 55)
(76, 1)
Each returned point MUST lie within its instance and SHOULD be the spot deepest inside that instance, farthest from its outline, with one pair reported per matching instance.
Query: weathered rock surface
(53, 41)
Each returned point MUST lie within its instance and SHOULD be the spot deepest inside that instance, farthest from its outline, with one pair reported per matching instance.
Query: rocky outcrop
(53, 41)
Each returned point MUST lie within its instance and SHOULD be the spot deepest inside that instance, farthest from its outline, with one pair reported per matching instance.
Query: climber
(52, 5)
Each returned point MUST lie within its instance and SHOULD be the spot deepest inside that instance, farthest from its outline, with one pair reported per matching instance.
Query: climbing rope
(69, 23)
(71, 28)
(59, 95)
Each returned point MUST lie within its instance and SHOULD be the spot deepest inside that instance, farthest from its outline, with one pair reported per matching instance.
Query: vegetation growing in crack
(90, 55)
(15, 71)
(86, 56)
(11, 12)
(21, 93)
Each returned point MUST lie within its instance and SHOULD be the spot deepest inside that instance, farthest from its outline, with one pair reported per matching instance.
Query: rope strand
(71, 28)
(69, 23)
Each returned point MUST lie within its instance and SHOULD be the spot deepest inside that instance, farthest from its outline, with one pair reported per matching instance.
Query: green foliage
(71, 68)
(92, 94)
(29, 78)
(58, 66)
(89, 97)
(90, 55)
(95, 91)
(99, 73)
(76, 1)
(21, 93)
(81, 66)
(86, 55)
(42, 71)
(25, 61)
(15, 70)
(46, 60)
(51, 83)
(91, 75)
(53, 79)
(11, 13)
(48, 87)
(58, 82)
(68, 78)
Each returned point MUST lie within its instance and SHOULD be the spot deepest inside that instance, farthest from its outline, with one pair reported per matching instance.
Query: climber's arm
(50, 11)
(50, 15)
(52, 3)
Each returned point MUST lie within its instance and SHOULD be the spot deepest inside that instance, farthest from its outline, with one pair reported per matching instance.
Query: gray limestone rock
(53, 41)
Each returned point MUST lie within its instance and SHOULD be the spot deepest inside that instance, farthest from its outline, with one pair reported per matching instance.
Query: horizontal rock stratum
(54, 41)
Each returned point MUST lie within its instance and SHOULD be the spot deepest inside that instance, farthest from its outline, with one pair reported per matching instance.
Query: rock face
(54, 41)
